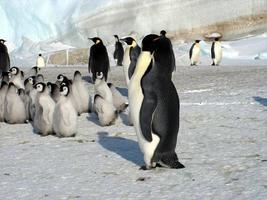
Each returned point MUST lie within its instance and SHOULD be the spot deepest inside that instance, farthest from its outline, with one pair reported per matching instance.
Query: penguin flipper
(146, 116)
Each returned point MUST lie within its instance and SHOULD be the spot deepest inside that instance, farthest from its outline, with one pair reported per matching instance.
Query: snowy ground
(222, 143)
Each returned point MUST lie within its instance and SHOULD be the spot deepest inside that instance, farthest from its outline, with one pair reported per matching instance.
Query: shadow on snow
(262, 101)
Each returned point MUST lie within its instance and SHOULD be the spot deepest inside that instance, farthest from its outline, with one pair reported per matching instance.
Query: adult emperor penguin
(216, 52)
(65, 115)
(98, 58)
(4, 57)
(194, 53)
(119, 101)
(17, 77)
(118, 53)
(45, 106)
(130, 57)
(83, 92)
(3, 91)
(14, 112)
(154, 104)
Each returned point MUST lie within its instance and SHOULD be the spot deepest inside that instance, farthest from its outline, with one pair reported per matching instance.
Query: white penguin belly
(218, 53)
(135, 99)
(195, 55)
(126, 64)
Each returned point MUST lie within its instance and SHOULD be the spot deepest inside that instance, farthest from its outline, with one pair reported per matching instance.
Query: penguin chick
(17, 77)
(34, 71)
(102, 89)
(14, 112)
(45, 106)
(3, 91)
(105, 111)
(54, 91)
(118, 100)
(65, 115)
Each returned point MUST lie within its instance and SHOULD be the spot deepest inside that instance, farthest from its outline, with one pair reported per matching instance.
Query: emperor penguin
(83, 92)
(54, 91)
(14, 111)
(3, 91)
(4, 57)
(118, 53)
(98, 58)
(61, 78)
(105, 111)
(130, 57)
(119, 101)
(40, 78)
(216, 52)
(65, 115)
(34, 71)
(102, 89)
(29, 97)
(154, 104)
(17, 77)
(45, 106)
(194, 53)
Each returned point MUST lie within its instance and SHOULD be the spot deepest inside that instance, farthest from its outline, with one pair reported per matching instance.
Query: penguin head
(21, 92)
(14, 70)
(11, 86)
(116, 37)
(60, 77)
(64, 90)
(197, 41)
(129, 41)
(163, 33)
(30, 80)
(217, 39)
(2, 41)
(36, 69)
(96, 40)
(77, 75)
(40, 87)
(149, 42)
(39, 78)
(99, 75)
(52, 86)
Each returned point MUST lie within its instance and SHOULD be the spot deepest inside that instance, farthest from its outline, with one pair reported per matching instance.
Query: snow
(222, 143)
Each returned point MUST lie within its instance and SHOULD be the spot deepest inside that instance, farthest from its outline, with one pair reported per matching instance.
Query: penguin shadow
(125, 148)
(87, 79)
(124, 118)
(262, 101)
(92, 117)
(123, 91)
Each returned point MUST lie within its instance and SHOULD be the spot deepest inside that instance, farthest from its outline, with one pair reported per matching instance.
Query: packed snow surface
(222, 143)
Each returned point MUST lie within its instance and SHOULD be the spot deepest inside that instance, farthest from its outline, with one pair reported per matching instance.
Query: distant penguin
(119, 101)
(4, 57)
(102, 89)
(54, 91)
(17, 77)
(34, 71)
(61, 78)
(105, 111)
(65, 115)
(98, 58)
(45, 106)
(3, 91)
(154, 104)
(216, 52)
(118, 53)
(131, 54)
(83, 92)
(14, 112)
(5, 77)
(194, 53)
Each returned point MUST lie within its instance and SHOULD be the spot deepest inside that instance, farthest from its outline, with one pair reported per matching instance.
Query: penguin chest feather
(126, 63)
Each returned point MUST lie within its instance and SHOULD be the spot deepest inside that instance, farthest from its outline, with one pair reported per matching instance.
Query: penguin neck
(98, 81)
(134, 44)
(142, 63)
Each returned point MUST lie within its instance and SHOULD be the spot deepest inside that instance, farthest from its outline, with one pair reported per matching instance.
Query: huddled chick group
(53, 108)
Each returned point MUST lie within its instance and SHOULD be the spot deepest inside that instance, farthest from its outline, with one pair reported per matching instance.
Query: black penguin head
(64, 89)
(14, 70)
(197, 41)
(128, 40)
(52, 87)
(4, 84)
(11, 86)
(21, 92)
(61, 77)
(116, 37)
(40, 87)
(217, 39)
(96, 40)
(163, 33)
(40, 54)
(36, 69)
(99, 75)
(149, 42)
(2, 41)
(77, 75)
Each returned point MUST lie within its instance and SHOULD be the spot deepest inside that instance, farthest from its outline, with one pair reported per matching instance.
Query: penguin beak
(156, 39)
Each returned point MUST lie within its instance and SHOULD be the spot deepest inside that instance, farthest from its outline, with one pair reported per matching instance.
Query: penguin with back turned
(98, 58)
(130, 57)
(118, 53)
(194, 53)
(154, 104)
(216, 52)
(4, 57)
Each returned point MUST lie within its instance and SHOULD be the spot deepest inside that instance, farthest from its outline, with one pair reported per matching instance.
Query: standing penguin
(17, 77)
(102, 89)
(118, 53)
(216, 52)
(154, 104)
(130, 57)
(44, 105)
(34, 71)
(194, 53)
(3, 91)
(65, 115)
(119, 101)
(4, 57)
(54, 91)
(14, 112)
(98, 58)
